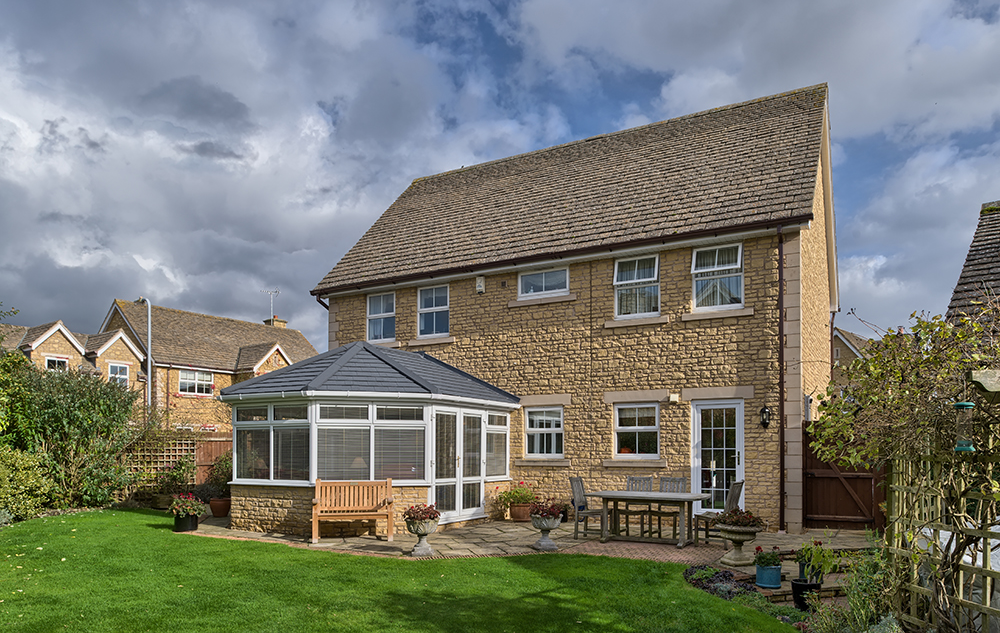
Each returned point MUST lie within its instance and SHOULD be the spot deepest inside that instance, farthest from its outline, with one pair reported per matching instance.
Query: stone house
(195, 356)
(659, 299)
(52, 346)
(847, 346)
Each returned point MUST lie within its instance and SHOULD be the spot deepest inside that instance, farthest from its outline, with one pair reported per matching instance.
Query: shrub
(521, 493)
(221, 472)
(785, 613)
(175, 479)
(24, 488)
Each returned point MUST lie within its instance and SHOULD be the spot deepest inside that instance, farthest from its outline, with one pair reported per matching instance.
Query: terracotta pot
(220, 507)
(520, 512)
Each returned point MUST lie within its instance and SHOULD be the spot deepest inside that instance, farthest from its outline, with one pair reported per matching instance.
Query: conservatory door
(458, 464)
(717, 450)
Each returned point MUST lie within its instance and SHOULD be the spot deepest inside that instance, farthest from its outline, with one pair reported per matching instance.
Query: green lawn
(125, 570)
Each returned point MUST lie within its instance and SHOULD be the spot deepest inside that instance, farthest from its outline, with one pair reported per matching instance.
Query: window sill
(196, 396)
(616, 323)
(541, 300)
(431, 341)
(717, 314)
(635, 463)
(389, 344)
(552, 463)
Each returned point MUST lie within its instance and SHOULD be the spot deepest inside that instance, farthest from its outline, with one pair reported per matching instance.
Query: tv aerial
(273, 294)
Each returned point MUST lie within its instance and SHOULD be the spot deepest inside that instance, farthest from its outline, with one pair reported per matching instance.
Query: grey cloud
(210, 149)
(191, 99)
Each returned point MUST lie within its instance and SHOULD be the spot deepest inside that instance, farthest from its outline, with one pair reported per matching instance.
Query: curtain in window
(718, 292)
(343, 454)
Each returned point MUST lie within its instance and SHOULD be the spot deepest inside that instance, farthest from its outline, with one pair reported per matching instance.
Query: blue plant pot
(769, 577)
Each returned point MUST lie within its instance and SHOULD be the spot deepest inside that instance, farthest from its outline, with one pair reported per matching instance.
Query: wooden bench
(348, 500)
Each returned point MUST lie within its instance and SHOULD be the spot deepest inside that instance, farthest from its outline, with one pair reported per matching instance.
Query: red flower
(759, 549)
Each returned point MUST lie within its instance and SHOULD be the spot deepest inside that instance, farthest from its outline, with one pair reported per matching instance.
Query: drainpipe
(149, 352)
(781, 380)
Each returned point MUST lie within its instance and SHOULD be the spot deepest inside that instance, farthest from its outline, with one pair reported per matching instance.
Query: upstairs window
(637, 287)
(432, 311)
(547, 283)
(382, 317)
(196, 382)
(56, 364)
(718, 277)
(118, 373)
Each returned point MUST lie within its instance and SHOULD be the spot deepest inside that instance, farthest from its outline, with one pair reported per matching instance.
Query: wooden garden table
(683, 500)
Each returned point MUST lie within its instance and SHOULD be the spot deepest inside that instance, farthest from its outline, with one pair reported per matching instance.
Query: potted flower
(171, 481)
(186, 508)
(421, 520)
(738, 526)
(518, 500)
(219, 475)
(768, 567)
(545, 516)
(815, 561)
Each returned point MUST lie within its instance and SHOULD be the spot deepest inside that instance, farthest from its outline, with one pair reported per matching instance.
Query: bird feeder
(963, 415)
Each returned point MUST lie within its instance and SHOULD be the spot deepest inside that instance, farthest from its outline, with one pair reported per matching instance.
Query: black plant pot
(185, 522)
(799, 590)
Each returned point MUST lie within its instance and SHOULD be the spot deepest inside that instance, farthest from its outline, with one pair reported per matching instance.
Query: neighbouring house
(52, 346)
(847, 346)
(659, 299)
(979, 280)
(195, 356)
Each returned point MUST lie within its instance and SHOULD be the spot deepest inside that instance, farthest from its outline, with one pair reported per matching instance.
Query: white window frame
(645, 282)
(197, 381)
(60, 363)
(553, 431)
(498, 429)
(521, 295)
(421, 310)
(379, 315)
(637, 429)
(717, 272)
(119, 378)
(270, 425)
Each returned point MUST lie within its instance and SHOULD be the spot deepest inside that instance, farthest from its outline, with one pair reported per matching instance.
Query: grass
(125, 570)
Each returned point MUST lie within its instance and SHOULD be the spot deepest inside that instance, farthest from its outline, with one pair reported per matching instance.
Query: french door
(458, 464)
(716, 450)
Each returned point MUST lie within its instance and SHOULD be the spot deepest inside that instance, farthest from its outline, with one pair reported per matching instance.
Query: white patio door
(458, 464)
(717, 450)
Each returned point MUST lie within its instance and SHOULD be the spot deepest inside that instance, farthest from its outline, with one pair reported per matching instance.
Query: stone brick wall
(572, 346)
(59, 346)
(120, 354)
(189, 409)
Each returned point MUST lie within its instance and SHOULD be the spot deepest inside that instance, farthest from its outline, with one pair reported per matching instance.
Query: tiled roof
(93, 342)
(363, 367)
(747, 165)
(250, 355)
(210, 342)
(981, 274)
(11, 336)
(856, 341)
(36, 332)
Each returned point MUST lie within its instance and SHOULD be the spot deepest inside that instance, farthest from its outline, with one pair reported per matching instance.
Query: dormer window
(718, 277)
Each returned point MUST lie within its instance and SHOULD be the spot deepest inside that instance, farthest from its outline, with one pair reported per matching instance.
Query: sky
(199, 153)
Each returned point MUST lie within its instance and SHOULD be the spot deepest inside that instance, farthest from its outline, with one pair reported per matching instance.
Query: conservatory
(362, 413)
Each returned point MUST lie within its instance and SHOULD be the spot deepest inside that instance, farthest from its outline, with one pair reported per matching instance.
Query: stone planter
(421, 529)
(738, 535)
(520, 512)
(545, 524)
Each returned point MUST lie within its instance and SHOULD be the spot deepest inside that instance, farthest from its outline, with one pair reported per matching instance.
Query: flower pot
(738, 535)
(185, 522)
(799, 590)
(545, 524)
(421, 529)
(220, 507)
(768, 576)
(520, 512)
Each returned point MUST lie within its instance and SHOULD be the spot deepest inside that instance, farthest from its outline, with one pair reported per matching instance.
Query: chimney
(276, 322)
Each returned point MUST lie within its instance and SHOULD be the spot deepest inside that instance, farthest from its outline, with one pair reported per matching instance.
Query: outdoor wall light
(765, 417)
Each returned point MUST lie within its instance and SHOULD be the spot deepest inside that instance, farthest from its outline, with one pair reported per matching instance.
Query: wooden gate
(208, 447)
(839, 498)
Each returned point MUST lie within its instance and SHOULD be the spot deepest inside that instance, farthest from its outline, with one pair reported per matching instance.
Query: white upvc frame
(717, 272)
(58, 363)
(645, 282)
(521, 295)
(421, 310)
(197, 381)
(270, 425)
(380, 316)
(498, 429)
(555, 431)
(637, 429)
(696, 444)
(118, 377)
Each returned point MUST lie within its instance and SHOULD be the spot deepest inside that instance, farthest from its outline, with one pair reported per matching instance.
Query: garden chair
(669, 484)
(732, 501)
(641, 510)
(580, 506)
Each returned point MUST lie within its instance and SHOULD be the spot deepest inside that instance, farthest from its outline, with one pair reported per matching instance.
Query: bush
(785, 613)
(24, 488)
(221, 472)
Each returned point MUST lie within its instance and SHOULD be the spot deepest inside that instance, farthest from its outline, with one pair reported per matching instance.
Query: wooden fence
(149, 460)
(944, 554)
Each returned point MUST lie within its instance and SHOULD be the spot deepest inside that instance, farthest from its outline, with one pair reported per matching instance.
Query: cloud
(190, 99)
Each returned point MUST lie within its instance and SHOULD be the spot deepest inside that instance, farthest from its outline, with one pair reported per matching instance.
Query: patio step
(831, 588)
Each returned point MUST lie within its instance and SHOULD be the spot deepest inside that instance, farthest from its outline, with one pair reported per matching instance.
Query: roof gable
(11, 336)
(201, 340)
(855, 342)
(35, 336)
(740, 167)
(980, 276)
(363, 368)
(253, 356)
(97, 344)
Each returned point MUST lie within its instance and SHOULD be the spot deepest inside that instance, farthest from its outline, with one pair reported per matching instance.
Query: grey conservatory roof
(362, 368)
